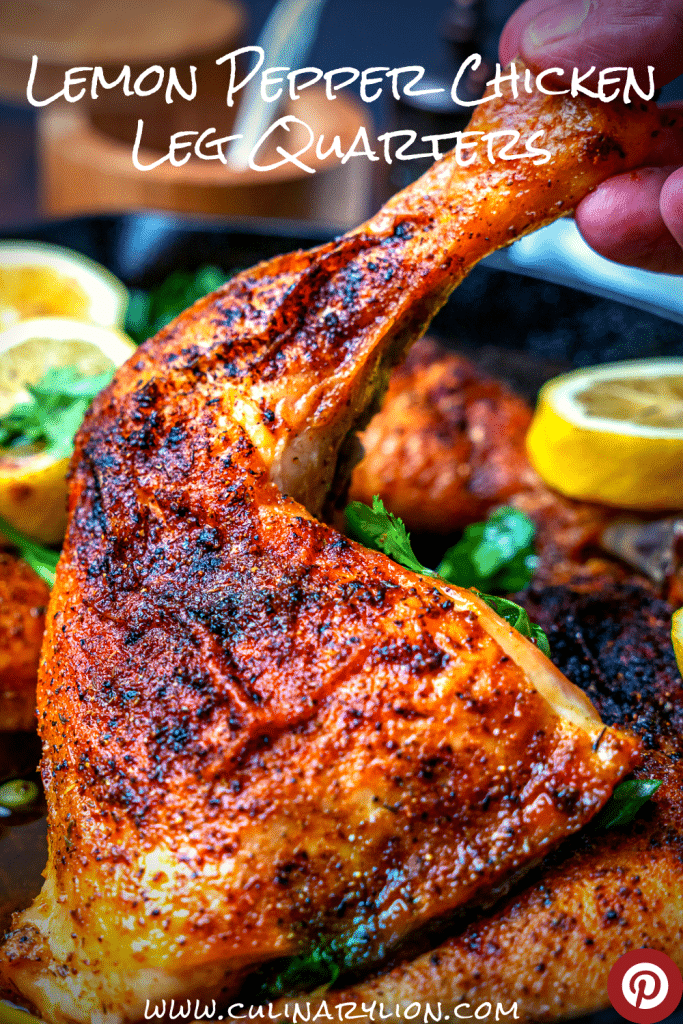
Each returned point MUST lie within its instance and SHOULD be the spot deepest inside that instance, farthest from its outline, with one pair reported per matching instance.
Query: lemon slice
(33, 482)
(47, 280)
(677, 637)
(613, 434)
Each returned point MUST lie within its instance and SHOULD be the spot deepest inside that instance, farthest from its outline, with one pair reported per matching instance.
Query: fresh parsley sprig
(497, 555)
(381, 530)
(42, 560)
(307, 972)
(51, 418)
(518, 619)
(377, 528)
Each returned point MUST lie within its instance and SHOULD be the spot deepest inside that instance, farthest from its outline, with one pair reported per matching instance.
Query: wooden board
(84, 171)
(73, 33)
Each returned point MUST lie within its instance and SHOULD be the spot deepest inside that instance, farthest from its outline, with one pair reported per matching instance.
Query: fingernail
(556, 24)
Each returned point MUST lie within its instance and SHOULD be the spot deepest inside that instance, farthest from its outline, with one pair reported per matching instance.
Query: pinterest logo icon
(645, 986)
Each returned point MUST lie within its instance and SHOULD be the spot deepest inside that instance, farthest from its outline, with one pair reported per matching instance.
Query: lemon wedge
(613, 434)
(677, 637)
(47, 280)
(32, 478)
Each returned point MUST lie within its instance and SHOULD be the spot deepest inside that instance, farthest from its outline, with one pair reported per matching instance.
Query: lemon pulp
(32, 479)
(29, 361)
(613, 434)
(32, 291)
(647, 401)
(47, 280)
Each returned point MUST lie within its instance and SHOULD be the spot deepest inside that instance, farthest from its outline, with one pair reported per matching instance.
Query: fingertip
(583, 34)
(509, 46)
(558, 25)
(622, 221)
(671, 204)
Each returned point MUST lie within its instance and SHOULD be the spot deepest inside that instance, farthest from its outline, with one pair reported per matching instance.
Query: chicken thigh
(549, 948)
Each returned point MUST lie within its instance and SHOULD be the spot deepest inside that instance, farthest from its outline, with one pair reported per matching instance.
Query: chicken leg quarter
(259, 736)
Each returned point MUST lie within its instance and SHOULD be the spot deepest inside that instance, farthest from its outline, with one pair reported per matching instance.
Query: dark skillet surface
(519, 329)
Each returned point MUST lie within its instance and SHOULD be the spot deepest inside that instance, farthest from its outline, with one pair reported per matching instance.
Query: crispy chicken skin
(257, 733)
(23, 600)
(449, 445)
(550, 947)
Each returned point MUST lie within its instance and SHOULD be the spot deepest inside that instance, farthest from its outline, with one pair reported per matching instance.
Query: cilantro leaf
(306, 972)
(42, 560)
(383, 531)
(497, 555)
(518, 619)
(58, 404)
(626, 800)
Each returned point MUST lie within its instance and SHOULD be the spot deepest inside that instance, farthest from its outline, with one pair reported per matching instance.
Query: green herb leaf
(381, 530)
(18, 795)
(64, 382)
(42, 560)
(10, 1014)
(625, 802)
(497, 555)
(149, 311)
(518, 619)
(58, 404)
(306, 972)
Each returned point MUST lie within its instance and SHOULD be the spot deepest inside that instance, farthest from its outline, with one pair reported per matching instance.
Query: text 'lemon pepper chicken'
(257, 734)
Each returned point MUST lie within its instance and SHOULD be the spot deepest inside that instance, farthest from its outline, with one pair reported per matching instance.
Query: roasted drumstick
(257, 735)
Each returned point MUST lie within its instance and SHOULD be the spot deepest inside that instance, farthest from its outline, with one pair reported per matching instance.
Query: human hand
(634, 218)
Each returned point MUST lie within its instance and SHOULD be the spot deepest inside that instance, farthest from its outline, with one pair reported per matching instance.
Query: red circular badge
(645, 986)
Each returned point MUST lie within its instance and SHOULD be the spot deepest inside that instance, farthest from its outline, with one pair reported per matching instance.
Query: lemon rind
(560, 394)
(33, 487)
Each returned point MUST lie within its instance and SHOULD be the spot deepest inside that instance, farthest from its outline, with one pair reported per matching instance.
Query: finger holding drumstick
(634, 218)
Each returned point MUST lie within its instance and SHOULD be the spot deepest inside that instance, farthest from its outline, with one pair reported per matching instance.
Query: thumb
(600, 33)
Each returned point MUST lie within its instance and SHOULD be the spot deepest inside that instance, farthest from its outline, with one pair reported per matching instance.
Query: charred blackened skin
(604, 147)
(307, 740)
